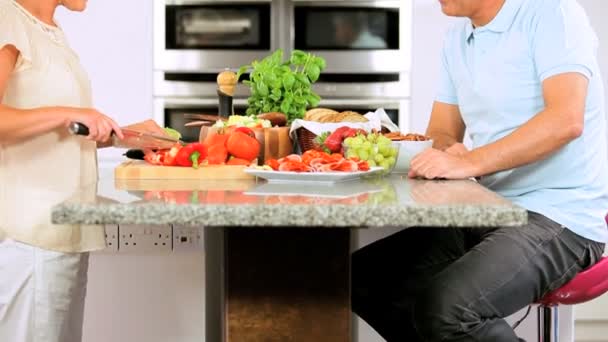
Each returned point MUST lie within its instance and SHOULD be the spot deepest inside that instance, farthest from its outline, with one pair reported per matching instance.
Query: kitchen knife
(133, 139)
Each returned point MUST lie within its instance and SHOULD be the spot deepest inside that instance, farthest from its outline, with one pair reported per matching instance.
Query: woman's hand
(100, 126)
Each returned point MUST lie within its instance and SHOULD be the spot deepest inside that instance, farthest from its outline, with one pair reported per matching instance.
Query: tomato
(245, 130)
(217, 154)
(243, 146)
(215, 138)
(273, 163)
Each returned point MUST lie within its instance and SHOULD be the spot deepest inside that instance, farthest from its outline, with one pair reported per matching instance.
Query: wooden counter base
(274, 284)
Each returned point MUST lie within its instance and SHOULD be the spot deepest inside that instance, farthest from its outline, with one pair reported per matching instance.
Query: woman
(42, 89)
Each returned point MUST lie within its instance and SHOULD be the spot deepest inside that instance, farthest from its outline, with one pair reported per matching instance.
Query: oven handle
(372, 103)
(203, 2)
(176, 103)
(334, 3)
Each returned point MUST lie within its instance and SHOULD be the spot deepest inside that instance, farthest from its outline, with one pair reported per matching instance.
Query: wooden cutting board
(139, 169)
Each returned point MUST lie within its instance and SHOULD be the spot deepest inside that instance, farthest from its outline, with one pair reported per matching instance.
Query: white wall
(114, 41)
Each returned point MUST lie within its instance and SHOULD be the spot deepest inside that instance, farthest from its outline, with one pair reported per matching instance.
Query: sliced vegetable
(173, 133)
(169, 156)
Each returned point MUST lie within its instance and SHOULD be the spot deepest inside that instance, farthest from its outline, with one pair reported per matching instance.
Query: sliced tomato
(273, 163)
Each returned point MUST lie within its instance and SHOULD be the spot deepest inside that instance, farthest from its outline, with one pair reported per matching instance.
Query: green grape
(384, 150)
(385, 165)
(358, 141)
(384, 140)
(391, 160)
(367, 144)
(379, 158)
(363, 154)
(393, 152)
(351, 154)
(372, 163)
(349, 141)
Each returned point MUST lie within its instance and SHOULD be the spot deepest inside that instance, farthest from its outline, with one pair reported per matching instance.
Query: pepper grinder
(226, 82)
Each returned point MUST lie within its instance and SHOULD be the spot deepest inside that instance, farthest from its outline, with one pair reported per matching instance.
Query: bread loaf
(326, 115)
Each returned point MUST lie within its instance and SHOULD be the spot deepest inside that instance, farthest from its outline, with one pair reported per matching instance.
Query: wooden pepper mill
(226, 83)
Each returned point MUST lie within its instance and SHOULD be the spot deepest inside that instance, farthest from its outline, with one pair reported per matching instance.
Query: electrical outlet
(139, 238)
(187, 238)
(111, 234)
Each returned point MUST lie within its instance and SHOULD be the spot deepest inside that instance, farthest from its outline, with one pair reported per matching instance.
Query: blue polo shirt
(494, 74)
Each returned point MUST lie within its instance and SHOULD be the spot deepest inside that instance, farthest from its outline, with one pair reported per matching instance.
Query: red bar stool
(586, 286)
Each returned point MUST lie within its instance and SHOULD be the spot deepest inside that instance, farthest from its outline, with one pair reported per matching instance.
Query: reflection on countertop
(374, 202)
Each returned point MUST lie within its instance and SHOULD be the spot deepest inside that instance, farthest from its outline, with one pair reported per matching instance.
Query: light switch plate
(187, 238)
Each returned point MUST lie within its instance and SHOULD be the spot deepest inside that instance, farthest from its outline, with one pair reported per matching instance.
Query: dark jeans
(452, 284)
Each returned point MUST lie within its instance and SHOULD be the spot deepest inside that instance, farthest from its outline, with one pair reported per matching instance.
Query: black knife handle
(135, 154)
(78, 128)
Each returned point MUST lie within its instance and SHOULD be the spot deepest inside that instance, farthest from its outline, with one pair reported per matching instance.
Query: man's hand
(433, 163)
(457, 149)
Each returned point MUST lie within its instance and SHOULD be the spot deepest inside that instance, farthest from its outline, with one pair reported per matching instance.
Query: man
(522, 78)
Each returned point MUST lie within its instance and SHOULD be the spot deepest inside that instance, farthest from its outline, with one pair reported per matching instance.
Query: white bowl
(407, 151)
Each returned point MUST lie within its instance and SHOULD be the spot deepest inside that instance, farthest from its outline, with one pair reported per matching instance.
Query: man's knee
(440, 314)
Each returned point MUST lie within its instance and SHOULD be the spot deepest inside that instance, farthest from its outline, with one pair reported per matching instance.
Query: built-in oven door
(209, 35)
(362, 36)
(171, 112)
(398, 110)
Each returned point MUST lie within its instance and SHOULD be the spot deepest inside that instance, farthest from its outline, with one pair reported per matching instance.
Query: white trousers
(41, 294)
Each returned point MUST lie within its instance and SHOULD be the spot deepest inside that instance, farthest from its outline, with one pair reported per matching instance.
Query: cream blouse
(46, 170)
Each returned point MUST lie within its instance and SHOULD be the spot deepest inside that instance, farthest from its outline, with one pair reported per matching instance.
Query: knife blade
(133, 139)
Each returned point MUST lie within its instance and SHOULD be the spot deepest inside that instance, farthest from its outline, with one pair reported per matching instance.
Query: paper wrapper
(377, 120)
(275, 141)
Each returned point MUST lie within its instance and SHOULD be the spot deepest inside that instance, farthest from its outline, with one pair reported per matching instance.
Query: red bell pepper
(191, 155)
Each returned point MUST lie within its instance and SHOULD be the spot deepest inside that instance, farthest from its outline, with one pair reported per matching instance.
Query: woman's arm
(17, 125)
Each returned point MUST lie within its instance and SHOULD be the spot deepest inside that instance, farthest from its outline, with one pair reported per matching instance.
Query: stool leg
(548, 324)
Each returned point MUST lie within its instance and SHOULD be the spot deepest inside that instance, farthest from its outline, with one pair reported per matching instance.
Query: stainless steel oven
(195, 39)
(208, 35)
(363, 36)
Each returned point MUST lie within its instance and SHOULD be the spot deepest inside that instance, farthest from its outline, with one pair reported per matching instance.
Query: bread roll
(275, 118)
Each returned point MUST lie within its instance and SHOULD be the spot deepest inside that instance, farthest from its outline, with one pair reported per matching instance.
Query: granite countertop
(380, 202)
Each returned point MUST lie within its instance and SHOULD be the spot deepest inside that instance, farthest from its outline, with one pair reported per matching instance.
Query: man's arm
(446, 127)
(559, 123)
